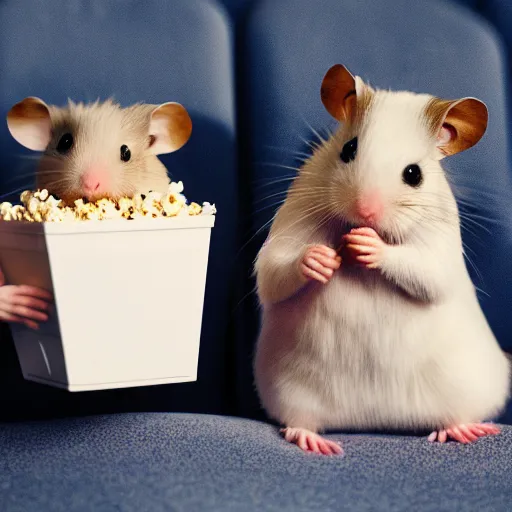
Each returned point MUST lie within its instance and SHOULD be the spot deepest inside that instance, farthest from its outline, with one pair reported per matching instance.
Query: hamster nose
(369, 206)
(92, 181)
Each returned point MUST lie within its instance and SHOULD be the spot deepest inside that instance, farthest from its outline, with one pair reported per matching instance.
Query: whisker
(6, 195)
(275, 182)
(287, 150)
(279, 166)
(473, 266)
(480, 290)
(247, 295)
(475, 223)
(269, 206)
(277, 194)
(30, 175)
(317, 135)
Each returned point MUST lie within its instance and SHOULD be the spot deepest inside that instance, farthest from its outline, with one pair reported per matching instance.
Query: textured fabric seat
(163, 462)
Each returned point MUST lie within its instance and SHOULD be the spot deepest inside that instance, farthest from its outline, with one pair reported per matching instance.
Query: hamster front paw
(365, 246)
(319, 263)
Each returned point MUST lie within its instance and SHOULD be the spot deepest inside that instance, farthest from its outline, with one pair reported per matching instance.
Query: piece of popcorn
(53, 216)
(79, 204)
(17, 212)
(208, 209)
(125, 204)
(154, 196)
(150, 207)
(194, 209)
(25, 196)
(171, 208)
(42, 194)
(32, 205)
(107, 209)
(136, 214)
(54, 202)
(138, 200)
(175, 188)
(5, 208)
(174, 193)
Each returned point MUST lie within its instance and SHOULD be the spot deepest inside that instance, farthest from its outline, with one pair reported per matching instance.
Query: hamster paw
(311, 442)
(365, 246)
(319, 263)
(464, 434)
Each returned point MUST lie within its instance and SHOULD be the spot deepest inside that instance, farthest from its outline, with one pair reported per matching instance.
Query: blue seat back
(152, 51)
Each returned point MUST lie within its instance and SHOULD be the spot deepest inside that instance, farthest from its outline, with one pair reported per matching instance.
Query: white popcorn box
(128, 299)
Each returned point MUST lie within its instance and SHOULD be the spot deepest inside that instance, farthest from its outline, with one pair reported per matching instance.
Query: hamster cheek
(54, 175)
(127, 176)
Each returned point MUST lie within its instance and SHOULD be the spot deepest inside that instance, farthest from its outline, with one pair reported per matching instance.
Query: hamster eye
(125, 153)
(65, 143)
(349, 151)
(412, 175)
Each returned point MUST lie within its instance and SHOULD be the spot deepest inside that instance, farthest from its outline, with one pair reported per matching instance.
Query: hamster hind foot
(309, 441)
(465, 433)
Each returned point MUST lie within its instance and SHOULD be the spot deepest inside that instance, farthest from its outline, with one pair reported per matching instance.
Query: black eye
(65, 143)
(412, 175)
(348, 153)
(125, 153)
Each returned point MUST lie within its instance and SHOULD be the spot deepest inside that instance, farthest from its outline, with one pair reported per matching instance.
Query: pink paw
(464, 434)
(365, 246)
(319, 263)
(311, 442)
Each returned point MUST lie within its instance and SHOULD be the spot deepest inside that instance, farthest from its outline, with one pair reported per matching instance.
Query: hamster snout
(95, 181)
(100, 149)
(369, 207)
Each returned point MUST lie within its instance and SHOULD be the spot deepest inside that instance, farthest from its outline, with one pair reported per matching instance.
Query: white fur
(403, 346)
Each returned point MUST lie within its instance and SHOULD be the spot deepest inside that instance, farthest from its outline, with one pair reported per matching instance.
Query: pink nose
(93, 181)
(369, 206)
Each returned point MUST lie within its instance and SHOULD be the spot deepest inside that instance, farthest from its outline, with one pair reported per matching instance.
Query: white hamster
(386, 332)
(100, 149)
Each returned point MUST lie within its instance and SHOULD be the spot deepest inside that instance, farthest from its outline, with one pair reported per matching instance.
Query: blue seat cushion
(163, 462)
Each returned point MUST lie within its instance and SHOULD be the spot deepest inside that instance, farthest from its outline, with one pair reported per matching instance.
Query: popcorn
(194, 209)
(33, 205)
(5, 208)
(26, 196)
(42, 194)
(41, 206)
(208, 209)
(17, 212)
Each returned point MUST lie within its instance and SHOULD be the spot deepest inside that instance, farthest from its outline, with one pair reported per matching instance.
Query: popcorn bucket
(128, 299)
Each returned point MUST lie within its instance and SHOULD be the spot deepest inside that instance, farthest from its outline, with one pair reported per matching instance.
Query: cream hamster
(100, 149)
(387, 333)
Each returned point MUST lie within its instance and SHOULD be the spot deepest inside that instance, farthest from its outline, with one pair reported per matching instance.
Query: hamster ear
(457, 125)
(30, 123)
(170, 128)
(341, 92)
